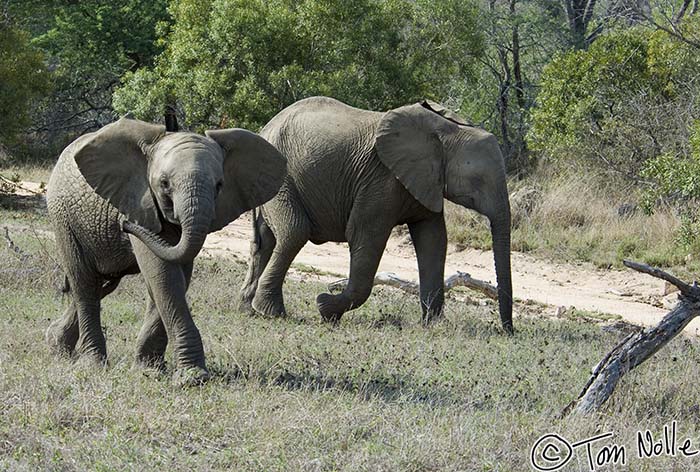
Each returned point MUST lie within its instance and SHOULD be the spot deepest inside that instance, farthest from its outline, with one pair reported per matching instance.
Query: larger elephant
(133, 198)
(354, 175)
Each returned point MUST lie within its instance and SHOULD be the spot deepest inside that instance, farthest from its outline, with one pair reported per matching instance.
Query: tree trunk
(517, 71)
(638, 346)
(681, 11)
(579, 14)
(504, 89)
(171, 119)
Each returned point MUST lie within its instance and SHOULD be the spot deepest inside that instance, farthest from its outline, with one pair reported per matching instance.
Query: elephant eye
(218, 187)
(164, 184)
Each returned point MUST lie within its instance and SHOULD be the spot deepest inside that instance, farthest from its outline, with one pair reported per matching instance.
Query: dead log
(638, 346)
(458, 279)
(14, 186)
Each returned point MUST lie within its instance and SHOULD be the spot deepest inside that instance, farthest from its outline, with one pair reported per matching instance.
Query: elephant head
(436, 156)
(198, 183)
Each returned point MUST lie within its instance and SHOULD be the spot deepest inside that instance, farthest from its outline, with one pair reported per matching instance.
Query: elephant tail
(65, 288)
(256, 230)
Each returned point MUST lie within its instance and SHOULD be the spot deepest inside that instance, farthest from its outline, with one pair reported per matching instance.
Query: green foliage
(238, 62)
(678, 177)
(102, 38)
(625, 106)
(88, 46)
(675, 175)
(695, 140)
(582, 92)
(23, 80)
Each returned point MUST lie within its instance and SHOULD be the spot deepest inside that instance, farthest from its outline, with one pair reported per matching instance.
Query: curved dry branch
(458, 279)
(638, 346)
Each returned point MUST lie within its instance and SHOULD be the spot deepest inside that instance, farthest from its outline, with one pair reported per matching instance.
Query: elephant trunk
(195, 225)
(500, 233)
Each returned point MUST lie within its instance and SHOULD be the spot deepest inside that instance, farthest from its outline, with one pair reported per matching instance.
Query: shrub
(625, 106)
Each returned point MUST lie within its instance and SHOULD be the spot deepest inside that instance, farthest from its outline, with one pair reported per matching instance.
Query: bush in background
(237, 63)
(23, 80)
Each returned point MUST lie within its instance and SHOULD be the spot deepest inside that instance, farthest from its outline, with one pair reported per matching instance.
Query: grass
(376, 392)
(31, 172)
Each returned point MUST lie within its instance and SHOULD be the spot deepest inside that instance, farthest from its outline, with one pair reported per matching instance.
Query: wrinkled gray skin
(353, 175)
(132, 198)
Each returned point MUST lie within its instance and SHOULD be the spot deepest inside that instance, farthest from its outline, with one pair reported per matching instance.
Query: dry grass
(559, 216)
(576, 218)
(31, 172)
(377, 392)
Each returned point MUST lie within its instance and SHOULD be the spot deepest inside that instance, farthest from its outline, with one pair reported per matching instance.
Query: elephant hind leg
(261, 249)
(365, 253)
(62, 334)
(268, 299)
(152, 340)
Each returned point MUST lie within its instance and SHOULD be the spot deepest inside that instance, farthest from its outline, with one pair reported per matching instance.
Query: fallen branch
(459, 279)
(18, 185)
(638, 346)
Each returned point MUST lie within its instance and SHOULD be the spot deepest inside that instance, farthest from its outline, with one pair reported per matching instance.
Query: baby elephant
(354, 175)
(132, 198)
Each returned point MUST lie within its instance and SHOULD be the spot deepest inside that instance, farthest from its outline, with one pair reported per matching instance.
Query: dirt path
(636, 297)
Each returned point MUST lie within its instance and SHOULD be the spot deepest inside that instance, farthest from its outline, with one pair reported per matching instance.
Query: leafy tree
(520, 38)
(623, 101)
(23, 80)
(88, 46)
(238, 62)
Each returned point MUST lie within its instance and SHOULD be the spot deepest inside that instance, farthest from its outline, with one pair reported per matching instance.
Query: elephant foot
(154, 362)
(150, 349)
(332, 307)
(508, 328)
(190, 376)
(245, 305)
(268, 305)
(96, 355)
(91, 360)
(61, 341)
(431, 317)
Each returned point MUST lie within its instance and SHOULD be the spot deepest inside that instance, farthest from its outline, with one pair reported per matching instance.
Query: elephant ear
(114, 162)
(445, 112)
(409, 143)
(253, 173)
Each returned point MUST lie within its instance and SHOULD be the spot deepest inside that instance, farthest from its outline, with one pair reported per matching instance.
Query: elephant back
(330, 158)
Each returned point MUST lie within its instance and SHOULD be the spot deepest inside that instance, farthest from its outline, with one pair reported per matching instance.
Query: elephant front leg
(430, 242)
(153, 337)
(365, 253)
(167, 284)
